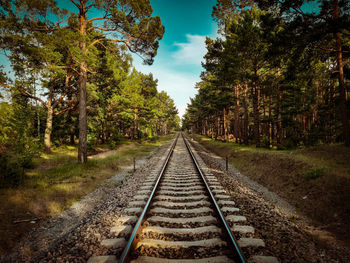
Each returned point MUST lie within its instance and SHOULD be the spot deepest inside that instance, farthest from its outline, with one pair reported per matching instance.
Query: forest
(84, 131)
(72, 79)
(277, 75)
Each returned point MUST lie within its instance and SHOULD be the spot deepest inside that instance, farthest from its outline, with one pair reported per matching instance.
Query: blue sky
(177, 65)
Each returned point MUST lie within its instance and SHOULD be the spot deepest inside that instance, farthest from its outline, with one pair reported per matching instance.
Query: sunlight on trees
(277, 75)
(77, 70)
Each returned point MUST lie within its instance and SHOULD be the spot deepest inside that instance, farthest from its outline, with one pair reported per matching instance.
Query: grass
(315, 173)
(316, 180)
(57, 181)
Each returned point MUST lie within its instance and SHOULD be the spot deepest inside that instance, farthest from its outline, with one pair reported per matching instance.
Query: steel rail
(136, 231)
(238, 254)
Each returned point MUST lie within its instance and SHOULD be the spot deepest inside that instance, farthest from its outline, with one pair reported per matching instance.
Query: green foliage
(46, 56)
(13, 163)
(268, 71)
(91, 140)
(314, 173)
(5, 128)
(18, 147)
(287, 143)
(127, 103)
(59, 52)
(11, 171)
(154, 138)
(266, 141)
(115, 138)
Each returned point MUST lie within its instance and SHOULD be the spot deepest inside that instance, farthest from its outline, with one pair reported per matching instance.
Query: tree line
(278, 74)
(72, 77)
(64, 46)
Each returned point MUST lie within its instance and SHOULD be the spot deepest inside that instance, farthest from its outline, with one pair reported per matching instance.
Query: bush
(15, 160)
(112, 144)
(266, 141)
(18, 146)
(115, 139)
(314, 173)
(154, 138)
(91, 140)
(139, 134)
(11, 171)
(288, 143)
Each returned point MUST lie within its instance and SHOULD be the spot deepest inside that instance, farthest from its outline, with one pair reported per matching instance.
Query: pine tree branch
(107, 39)
(89, 6)
(60, 99)
(101, 28)
(71, 107)
(24, 92)
(332, 50)
(76, 4)
(97, 18)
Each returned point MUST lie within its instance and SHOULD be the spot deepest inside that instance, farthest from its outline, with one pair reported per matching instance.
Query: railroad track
(183, 214)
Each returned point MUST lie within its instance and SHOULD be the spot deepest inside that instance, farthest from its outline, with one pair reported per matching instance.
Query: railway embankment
(308, 187)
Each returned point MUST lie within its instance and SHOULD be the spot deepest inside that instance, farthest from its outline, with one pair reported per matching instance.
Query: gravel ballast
(76, 234)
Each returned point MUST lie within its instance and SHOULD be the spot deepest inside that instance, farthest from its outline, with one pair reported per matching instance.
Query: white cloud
(179, 82)
(190, 52)
(178, 85)
(182, 110)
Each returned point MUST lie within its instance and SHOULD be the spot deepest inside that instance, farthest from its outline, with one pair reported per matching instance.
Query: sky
(177, 65)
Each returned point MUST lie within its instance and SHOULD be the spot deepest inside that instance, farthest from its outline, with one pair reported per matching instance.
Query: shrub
(288, 143)
(11, 171)
(265, 141)
(112, 144)
(154, 138)
(14, 161)
(314, 173)
(91, 140)
(115, 139)
(139, 134)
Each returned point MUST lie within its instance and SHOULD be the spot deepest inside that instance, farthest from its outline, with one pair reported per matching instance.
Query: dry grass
(56, 182)
(315, 180)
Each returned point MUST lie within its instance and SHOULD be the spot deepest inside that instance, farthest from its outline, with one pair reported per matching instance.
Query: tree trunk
(229, 123)
(246, 115)
(48, 130)
(71, 123)
(225, 125)
(37, 111)
(216, 125)
(82, 149)
(236, 128)
(264, 127)
(38, 121)
(279, 133)
(256, 114)
(270, 127)
(135, 128)
(342, 93)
